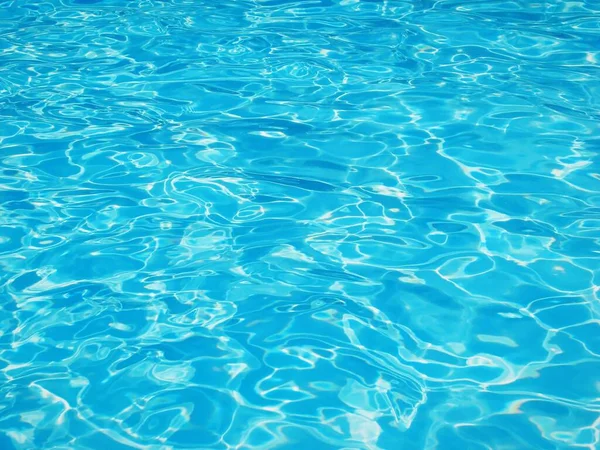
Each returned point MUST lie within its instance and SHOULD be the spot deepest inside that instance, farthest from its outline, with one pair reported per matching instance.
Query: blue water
(321, 224)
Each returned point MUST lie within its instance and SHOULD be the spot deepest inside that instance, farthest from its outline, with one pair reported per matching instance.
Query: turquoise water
(299, 224)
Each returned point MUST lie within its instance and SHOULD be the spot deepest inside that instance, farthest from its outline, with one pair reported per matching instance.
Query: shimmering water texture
(299, 225)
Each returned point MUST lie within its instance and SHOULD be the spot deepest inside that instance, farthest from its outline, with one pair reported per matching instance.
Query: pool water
(320, 224)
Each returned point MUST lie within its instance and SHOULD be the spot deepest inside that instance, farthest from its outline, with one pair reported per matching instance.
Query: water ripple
(284, 224)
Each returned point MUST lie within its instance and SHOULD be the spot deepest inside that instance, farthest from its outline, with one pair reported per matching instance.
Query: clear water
(299, 224)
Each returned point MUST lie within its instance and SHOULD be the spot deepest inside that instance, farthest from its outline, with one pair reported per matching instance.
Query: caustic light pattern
(320, 224)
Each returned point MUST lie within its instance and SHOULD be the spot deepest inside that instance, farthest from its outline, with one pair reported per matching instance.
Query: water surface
(299, 224)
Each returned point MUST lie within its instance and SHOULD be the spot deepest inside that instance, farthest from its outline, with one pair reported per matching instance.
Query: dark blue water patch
(13, 196)
(526, 227)
(6, 442)
(577, 247)
(10, 238)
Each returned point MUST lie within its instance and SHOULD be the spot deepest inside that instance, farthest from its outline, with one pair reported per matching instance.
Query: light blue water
(299, 224)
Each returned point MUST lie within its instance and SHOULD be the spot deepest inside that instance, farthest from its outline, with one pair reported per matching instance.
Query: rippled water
(299, 224)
